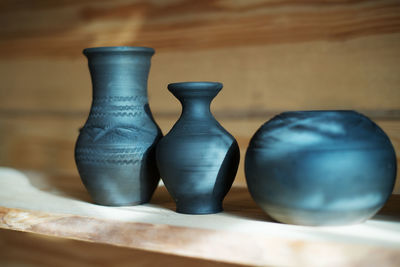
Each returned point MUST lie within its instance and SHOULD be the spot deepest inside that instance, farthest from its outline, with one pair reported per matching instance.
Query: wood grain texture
(270, 55)
(62, 29)
(242, 234)
(355, 74)
(27, 249)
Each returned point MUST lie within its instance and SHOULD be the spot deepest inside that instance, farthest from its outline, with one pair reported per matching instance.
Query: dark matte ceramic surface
(320, 167)
(115, 151)
(198, 158)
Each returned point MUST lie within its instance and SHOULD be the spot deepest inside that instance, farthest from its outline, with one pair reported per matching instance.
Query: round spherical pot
(320, 167)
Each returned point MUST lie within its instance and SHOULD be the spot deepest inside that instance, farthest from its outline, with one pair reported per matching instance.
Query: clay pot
(320, 167)
(115, 151)
(198, 158)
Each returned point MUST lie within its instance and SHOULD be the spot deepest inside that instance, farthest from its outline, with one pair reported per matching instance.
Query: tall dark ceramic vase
(198, 158)
(115, 151)
(320, 167)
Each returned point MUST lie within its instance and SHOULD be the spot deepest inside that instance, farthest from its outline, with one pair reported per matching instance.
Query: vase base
(134, 203)
(200, 208)
(319, 217)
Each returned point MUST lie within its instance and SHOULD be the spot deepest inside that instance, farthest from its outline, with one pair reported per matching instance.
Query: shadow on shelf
(62, 185)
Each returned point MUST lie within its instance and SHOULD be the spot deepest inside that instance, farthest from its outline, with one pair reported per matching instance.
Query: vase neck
(119, 73)
(195, 98)
(196, 108)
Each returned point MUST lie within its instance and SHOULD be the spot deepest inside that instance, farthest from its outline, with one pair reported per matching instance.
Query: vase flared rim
(118, 49)
(201, 85)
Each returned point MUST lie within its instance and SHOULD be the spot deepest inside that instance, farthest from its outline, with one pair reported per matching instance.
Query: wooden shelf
(59, 206)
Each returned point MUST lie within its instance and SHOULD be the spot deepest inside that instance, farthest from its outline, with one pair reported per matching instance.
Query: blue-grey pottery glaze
(115, 151)
(198, 158)
(320, 167)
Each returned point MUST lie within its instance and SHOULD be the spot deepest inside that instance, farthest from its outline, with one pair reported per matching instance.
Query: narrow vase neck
(196, 108)
(195, 98)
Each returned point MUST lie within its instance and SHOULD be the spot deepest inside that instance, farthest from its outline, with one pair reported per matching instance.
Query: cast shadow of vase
(68, 186)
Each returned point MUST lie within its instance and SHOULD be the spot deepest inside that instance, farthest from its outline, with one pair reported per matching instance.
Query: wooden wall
(271, 55)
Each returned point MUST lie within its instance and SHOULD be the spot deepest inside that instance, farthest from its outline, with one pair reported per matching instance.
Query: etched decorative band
(120, 98)
(117, 108)
(116, 114)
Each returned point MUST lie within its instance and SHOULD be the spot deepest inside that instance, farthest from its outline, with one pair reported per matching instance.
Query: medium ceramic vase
(320, 167)
(198, 158)
(115, 151)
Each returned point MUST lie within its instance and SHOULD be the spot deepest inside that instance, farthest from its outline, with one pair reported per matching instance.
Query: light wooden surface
(243, 234)
(21, 249)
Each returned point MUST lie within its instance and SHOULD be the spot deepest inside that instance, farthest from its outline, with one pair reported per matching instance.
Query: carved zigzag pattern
(116, 114)
(124, 156)
(111, 151)
(101, 161)
(116, 108)
(120, 98)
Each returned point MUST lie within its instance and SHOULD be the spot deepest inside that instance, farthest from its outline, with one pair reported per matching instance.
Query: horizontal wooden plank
(47, 143)
(356, 74)
(242, 234)
(62, 29)
(28, 249)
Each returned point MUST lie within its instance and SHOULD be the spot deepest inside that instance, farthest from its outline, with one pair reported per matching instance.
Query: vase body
(320, 167)
(198, 158)
(115, 150)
